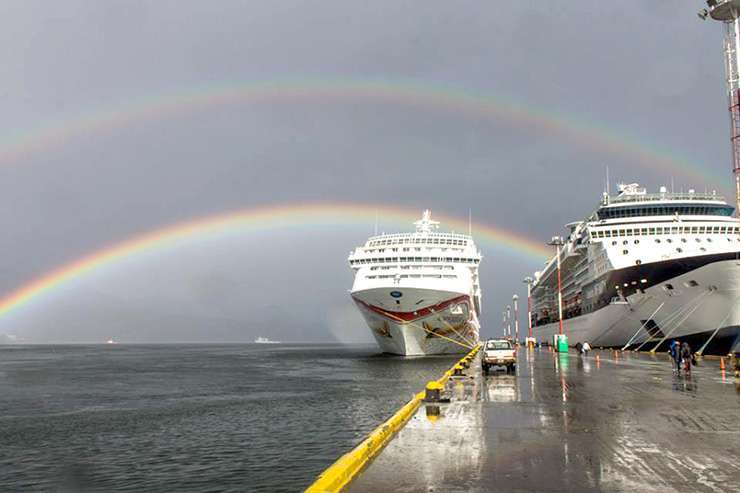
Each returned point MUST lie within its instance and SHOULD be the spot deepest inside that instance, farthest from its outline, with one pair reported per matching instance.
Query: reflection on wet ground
(608, 421)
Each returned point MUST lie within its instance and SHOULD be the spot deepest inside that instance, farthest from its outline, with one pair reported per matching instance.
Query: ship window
(625, 252)
(625, 242)
(614, 243)
(621, 232)
(644, 231)
(703, 249)
(679, 250)
(683, 240)
(638, 262)
(629, 232)
(657, 240)
(692, 284)
(637, 241)
(669, 287)
(709, 240)
(698, 240)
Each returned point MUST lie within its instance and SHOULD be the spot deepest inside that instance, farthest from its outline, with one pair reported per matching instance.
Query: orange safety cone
(722, 364)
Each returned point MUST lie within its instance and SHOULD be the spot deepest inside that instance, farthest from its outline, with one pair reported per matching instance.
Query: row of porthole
(667, 286)
(688, 284)
(668, 240)
(678, 250)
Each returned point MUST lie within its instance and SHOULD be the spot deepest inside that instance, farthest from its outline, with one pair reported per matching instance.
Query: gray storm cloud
(650, 72)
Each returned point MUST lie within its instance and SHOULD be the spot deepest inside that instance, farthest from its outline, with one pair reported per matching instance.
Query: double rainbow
(397, 92)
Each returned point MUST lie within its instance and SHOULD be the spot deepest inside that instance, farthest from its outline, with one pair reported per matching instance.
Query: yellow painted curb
(348, 466)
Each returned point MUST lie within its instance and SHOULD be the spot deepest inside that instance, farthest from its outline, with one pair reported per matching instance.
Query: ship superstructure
(419, 292)
(644, 268)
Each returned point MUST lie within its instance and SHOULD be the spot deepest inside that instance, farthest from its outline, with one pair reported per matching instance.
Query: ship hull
(445, 322)
(701, 306)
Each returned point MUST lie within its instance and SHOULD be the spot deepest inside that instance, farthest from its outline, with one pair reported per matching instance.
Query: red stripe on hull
(415, 315)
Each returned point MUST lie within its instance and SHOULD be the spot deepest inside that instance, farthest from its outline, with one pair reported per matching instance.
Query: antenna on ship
(425, 224)
(728, 12)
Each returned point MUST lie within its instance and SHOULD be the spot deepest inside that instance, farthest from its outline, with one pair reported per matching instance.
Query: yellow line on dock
(348, 466)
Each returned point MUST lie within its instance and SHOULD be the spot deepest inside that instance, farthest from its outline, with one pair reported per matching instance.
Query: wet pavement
(606, 422)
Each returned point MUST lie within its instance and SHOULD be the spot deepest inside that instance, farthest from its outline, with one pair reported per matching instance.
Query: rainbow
(260, 219)
(403, 92)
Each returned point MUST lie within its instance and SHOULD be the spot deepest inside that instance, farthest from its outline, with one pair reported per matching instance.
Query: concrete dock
(608, 421)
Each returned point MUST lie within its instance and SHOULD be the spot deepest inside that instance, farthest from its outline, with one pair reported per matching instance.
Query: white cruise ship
(419, 292)
(643, 269)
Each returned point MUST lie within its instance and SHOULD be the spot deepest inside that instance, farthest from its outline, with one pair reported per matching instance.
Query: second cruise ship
(419, 292)
(645, 268)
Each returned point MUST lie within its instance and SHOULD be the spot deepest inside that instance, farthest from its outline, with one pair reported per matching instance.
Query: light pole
(528, 281)
(557, 242)
(503, 322)
(728, 12)
(508, 319)
(515, 300)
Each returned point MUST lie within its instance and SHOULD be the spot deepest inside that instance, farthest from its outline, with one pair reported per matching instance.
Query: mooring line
(673, 316)
(679, 324)
(412, 324)
(701, 351)
(643, 326)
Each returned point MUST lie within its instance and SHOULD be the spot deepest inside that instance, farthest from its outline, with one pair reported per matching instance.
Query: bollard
(432, 413)
(433, 391)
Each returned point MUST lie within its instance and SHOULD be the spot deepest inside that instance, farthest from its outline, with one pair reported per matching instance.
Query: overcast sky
(651, 72)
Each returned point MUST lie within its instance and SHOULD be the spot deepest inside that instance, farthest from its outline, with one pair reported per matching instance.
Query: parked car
(499, 352)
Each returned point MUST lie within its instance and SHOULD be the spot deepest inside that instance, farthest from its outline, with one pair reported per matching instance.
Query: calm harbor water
(191, 417)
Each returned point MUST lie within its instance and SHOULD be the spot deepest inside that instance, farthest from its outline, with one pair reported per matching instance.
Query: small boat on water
(265, 340)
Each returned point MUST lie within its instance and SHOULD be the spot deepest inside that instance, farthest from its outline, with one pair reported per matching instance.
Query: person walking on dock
(686, 357)
(675, 352)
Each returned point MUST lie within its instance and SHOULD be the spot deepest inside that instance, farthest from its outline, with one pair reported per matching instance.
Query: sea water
(233, 417)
